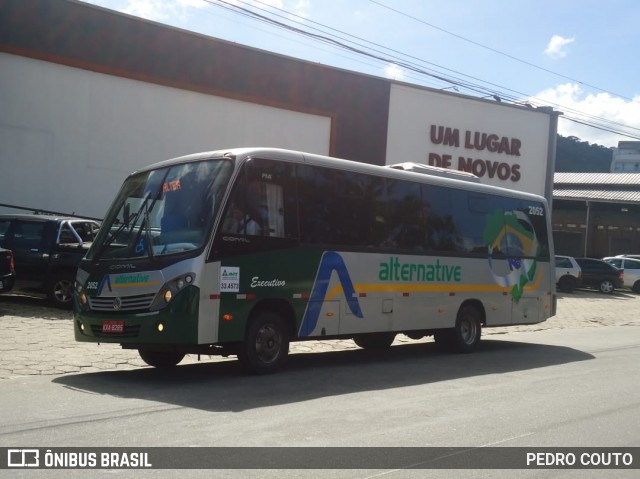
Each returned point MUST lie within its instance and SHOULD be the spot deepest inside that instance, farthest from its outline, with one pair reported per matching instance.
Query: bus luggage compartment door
(525, 311)
(328, 322)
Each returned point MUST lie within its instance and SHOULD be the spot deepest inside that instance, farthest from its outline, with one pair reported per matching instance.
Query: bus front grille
(128, 303)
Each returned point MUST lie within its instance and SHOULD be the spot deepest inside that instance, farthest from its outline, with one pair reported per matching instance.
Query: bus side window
(336, 207)
(404, 219)
(475, 221)
(259, 202)
(316, 204)
(533, 222)
(442, 228)
(242, 214)
(272, 209)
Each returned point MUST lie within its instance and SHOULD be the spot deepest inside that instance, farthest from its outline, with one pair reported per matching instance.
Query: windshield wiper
(134, 220)
(126, 222)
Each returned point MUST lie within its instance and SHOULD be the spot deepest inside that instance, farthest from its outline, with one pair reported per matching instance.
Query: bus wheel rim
(268, 343)
(468, 331)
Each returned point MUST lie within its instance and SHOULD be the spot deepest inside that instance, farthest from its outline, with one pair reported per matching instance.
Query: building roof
(608, 187)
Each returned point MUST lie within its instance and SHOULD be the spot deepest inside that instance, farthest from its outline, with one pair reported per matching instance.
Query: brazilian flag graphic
(512, 234)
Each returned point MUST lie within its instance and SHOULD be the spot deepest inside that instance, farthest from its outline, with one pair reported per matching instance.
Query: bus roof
(409, 171)
(435, 171)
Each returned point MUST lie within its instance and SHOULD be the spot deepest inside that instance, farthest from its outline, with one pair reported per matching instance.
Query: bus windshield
(163, 211)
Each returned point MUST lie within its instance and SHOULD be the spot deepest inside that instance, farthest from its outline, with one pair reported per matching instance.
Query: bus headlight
(167, 295)
(82, 296)
(170, 289)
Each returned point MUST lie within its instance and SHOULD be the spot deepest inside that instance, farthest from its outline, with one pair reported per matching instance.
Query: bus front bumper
(176, 324)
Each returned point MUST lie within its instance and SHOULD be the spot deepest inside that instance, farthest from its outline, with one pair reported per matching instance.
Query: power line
(392, 56)
(498, 51)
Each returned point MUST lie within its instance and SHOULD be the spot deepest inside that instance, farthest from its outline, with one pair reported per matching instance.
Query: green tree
(576, 156)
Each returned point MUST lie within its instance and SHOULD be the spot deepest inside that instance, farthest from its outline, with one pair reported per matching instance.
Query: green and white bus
(242, 251)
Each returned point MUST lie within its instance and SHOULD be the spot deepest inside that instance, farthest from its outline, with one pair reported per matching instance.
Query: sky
(579, 57)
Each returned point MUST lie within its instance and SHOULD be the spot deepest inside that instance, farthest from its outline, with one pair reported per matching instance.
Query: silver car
(631, 267)
(568, 274)
(633, 256)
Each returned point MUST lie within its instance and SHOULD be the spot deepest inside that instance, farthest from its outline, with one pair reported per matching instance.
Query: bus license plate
(112, 327)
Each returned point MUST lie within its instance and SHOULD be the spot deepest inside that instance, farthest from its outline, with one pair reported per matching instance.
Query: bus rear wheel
(465, 336)
(160, 359)
(266, 344)
(374, 341)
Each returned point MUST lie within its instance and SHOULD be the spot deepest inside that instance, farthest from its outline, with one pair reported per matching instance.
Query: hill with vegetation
(576, 156)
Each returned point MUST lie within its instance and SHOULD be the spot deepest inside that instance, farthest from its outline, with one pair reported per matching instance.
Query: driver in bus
(243, 223)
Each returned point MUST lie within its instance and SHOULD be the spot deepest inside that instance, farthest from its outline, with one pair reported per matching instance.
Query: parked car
(633, 256)
(631, 268)
(7, 270)
(568, 274)
(600, 274)
(46, 252)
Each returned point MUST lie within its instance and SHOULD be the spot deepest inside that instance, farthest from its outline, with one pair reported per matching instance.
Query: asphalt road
(570, 382)
(38, 340)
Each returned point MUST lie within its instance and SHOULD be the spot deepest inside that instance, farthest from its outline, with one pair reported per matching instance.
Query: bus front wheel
(160, 359)
(266, 344)
(465, 336)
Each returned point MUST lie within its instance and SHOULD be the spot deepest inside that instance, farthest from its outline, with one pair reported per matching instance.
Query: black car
(7, 270)
(599, 274)
(46, 252)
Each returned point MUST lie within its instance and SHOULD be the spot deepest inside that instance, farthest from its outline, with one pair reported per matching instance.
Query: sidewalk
(38, 340)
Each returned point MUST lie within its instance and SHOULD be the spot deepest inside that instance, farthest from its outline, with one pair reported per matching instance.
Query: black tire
(567, 284)
(606, 286)
(266, 344)
(60, 289)
(636, 287)
(465, 336)
(160, 359)
(375, 341)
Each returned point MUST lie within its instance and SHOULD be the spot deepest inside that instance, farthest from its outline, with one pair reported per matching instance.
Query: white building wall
(448, 130)
(626, 158)
(69, 137)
